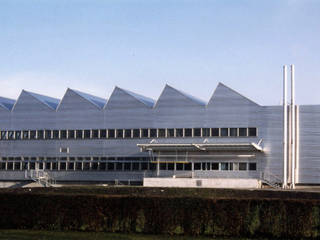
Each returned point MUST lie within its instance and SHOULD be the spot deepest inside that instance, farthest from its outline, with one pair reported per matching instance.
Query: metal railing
(40, 176)
(270, 179)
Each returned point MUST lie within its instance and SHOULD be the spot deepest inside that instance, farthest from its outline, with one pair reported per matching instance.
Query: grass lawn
(51, 235)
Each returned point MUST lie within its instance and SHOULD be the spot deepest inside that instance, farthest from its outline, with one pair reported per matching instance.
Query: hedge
(276, 218)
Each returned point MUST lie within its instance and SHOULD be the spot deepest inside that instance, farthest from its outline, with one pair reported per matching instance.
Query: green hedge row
(165, 215)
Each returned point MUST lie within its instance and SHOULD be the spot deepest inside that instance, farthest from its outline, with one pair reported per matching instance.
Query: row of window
(127, 166)
(86, 158)
(128, 133)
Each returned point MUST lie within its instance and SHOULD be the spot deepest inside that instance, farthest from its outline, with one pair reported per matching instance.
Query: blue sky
(140, 45)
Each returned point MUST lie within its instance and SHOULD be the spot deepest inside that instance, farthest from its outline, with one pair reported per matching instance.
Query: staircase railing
(40, 176)
(270, 179)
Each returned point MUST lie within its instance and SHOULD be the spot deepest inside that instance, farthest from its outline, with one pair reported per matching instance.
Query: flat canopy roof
(250, 147)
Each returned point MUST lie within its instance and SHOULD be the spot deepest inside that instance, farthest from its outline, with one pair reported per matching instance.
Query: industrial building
(177, 140)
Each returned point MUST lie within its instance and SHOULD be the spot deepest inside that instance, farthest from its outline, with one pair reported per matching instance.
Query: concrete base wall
(198, 182)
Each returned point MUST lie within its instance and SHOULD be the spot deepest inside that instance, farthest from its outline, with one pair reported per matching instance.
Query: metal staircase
(40, 176)
(271, 180)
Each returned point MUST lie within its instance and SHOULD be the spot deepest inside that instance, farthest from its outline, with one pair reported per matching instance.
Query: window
(187, 167)
(205, 132)
(25, 134)
(70, 165)
(79, 134)
(153, 166)
(119, 133)
(55, 134)
(111, 133)
(54, 165)
(235, 166)
(224, 166)
(243, 166)
(144, 133)
(63, 134)
(161, 132)
(18, 135)
(252, 132)
(179, 166)
(242, 132)
(95, 133)
(40, 134)
(32, 165)
(197, 132)
(63, 166)
(33, 134)
(188, 132)
(102, 166)
(135, 166)
(215, 132)
(214, 166)
(48, 134)
(3, 135)
(127, 133)
(110, 166)
(94, 166)
(233, 132)
(170, 132)
(86, 166)
(78, 165)
(17, 166)
(103, 133)
(10, 135)
(224, 132)
(252, 166)
(179, 132)
(153, 133)
(170, 166)
(197, 166)
(136, 133)
(144, 166)
(163, 166)
(87, 134)
(10, 166)
(119, 166)
(71, 134)
(127, 166)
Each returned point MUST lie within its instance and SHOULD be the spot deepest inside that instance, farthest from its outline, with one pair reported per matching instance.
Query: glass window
(18, 135)
(94, 166)
(10, 166)
(197, 132)
(63, 166)
(71, 134)
(233, 132)
(32, 165)
(214, 166)
(144, 133)
(252, 132)
(242, 166)
(10, 135)
(127, 133)
(110, 166)
(111, 133)
(179, 132)
(119, 133)
(25, 134)
(144, 166)
(170, 132)
(206, 132)
(55, 134)
(86, 134)
(63, 134)
(252, 166)
(3, 135)
(197, 166)
(153, 166)
(161, 132)
(242, 132)
(86, 166)
(235, 166)
(153, 133)
(127, 166)
(95, 133)
(224, 132)
(187, 167)
(103, 133)
(179, 166)
(119, 166)
(215, 132)
(170, 166)
(136, 133)
(71, 166)
(48, 134)
(224, 166)
(40, 134)
(17, 165)
(78, 165)
(33, 134)
(102, 166)
(188, 132)
(163, 166)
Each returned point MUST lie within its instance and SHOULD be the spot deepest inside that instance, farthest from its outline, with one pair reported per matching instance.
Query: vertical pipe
(293, 140)
(285, 126)
(297, 143)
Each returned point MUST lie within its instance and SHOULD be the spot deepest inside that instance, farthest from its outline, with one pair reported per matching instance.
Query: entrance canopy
(249, 147)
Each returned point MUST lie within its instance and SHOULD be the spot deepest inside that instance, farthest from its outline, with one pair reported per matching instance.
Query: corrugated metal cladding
(174, 109)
